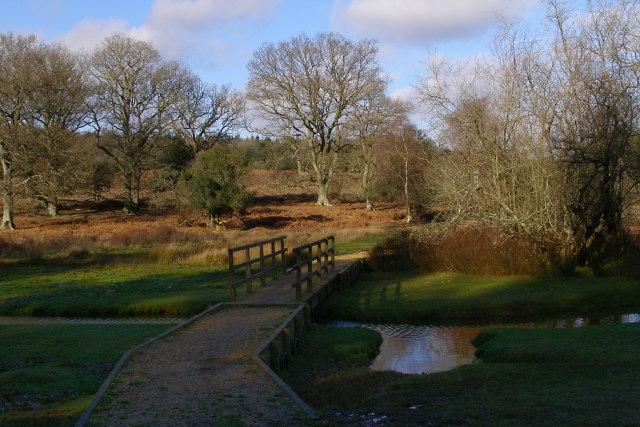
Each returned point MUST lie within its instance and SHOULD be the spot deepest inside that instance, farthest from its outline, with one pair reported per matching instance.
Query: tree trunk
(323, 188)
(406, 189)
(7, 212)
(366, 187)
(132, 192)
(7, 196)
(136, 192)
(52, 207)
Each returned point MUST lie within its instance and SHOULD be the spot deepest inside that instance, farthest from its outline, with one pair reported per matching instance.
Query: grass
(49, 373)
(360, 244)
(441, 298)
(528, 377)
(326, 352)
(175, 279)
(110, 290)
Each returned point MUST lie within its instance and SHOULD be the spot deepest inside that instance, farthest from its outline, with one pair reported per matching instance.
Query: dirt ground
(281, 201)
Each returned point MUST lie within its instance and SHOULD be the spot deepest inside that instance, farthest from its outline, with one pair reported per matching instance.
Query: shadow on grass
(451, 298)
(279, 221)
(68, 291)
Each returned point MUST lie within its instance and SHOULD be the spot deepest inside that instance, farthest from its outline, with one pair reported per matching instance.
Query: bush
(465, 250)
(215, 180)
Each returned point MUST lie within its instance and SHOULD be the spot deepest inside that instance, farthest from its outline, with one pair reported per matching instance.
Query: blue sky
(216, 38)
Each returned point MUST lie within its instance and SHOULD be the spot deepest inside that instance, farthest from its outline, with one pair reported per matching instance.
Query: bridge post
(310, 269)
(274, 260)
(263, 278)
(298, 275)
(248, 271)
(232, 288)
(333, 254)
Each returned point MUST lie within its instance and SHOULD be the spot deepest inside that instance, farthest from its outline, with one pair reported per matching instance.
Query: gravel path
(202, 375)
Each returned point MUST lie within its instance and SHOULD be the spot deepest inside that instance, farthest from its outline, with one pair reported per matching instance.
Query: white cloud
(420, 21)
(88, 34)
(205, 13)
(406, 94)
(179, 29)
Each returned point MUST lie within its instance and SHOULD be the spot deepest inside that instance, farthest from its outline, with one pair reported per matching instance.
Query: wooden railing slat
(260, 272)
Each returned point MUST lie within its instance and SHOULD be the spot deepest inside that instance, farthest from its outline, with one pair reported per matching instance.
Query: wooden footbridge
(199, 372)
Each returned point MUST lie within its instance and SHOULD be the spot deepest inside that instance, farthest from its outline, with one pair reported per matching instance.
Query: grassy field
(151, 281)
(49, 373)
(442, 298)
(528, 377)
(110, 290)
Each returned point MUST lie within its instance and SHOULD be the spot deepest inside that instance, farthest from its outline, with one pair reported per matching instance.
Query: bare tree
(371, 120)
(59, 110)
(595, 84)
(404, 156)
(308, 88)
(135, 103)
(543, 136)
(19, 55)
(207, 113)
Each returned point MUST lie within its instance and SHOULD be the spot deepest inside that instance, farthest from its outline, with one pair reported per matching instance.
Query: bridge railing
(321, 252)
(270, 259)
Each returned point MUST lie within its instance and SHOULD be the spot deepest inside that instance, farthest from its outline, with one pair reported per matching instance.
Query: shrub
(215, 181)
(465, 250)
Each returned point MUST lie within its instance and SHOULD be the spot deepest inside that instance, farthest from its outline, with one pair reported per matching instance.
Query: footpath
(203, 373)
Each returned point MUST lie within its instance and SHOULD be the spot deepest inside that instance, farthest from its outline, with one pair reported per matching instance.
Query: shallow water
(411, 349)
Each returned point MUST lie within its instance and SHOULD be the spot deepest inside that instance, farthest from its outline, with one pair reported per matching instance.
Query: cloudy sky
(217, 37)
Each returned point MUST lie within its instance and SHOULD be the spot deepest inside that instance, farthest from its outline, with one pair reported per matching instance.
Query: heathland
(95, 260)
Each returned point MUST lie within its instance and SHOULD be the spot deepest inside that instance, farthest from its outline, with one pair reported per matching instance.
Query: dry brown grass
(171, 235)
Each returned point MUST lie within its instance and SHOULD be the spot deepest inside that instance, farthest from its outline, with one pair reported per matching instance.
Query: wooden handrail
(254, 245)
(248, 261)
(305, 257)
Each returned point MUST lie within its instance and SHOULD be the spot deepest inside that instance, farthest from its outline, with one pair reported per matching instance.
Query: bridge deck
(203, 374)
(281, 291)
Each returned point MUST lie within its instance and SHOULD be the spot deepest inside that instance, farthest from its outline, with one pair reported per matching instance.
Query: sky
(217, 38)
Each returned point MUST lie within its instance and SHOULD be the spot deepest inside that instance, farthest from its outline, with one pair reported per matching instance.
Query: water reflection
(413, 349)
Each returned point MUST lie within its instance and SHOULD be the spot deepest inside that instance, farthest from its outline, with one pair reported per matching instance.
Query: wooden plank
(254, 260)
(253, 245)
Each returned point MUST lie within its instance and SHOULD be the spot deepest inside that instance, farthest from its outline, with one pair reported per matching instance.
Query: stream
(411, 349)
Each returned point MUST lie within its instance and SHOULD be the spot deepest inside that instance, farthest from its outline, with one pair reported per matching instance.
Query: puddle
(411, 349)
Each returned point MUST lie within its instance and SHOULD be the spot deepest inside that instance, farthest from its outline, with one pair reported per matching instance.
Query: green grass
(124, 281)
(49, 373)
(414, 297)
(327, 352)
(527, 377)
(110, 290)
(361, 244)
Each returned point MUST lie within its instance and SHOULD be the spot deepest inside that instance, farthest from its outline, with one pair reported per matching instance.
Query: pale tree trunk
(406, 189)
(136, 192)
(52, 207)
(323, 168)
(367, 173)
(7, 196)
(323, 190)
